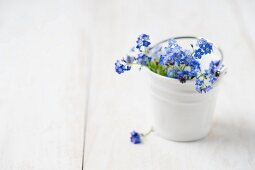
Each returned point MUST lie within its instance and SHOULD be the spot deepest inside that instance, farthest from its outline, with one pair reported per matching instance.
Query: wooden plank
(43, 85)
(118, 103)
(246, 15)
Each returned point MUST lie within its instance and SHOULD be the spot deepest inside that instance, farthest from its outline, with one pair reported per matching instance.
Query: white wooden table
(118, 103)
(57, 68)
(43, 84)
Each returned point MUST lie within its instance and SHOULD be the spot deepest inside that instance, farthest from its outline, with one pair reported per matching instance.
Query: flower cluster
(137, 55)
(205, 80)
(173, 61)
(176, 62)
(204, 48)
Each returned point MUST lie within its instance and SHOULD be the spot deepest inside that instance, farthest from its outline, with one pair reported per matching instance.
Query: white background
(57, 68)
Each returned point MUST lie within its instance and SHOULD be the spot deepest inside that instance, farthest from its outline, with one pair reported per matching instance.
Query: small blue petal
(135, 138)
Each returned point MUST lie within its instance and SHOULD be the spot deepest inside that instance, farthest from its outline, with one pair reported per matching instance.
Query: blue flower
(195, 65)
(193, 73)
(135, 138)
(176, 49)
(172, 54)
(173, 58)
(143, 41)
(171, 72)
(173, 51)
(173, 61)
(199, 89)
(216, 63)
(187, 52)
(207, 48)
(168, 59)
(145, 37)
(213, 67)
(162, 60)
(207, 89)
(201, 42)
(206, 72)
(142, 59)
(128, 68)
(199, 82)
(171, 42)
(212, 78)
(198, 53)
(186, 59)
(182, 75)
(121, 68)
(130, 59)
(146, 43)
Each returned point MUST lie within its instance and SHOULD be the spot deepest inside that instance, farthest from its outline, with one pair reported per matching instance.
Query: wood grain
(54, 55)
(118, 104)
(43, 84)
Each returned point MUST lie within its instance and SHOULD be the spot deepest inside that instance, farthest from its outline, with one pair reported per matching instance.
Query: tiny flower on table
(173, 61)
(136, 138)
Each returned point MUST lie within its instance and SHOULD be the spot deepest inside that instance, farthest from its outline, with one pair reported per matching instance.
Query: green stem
(146, 134)
(200, 75)
(184, 66)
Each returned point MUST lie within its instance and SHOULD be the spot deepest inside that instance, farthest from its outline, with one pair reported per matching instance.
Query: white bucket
(180, 113)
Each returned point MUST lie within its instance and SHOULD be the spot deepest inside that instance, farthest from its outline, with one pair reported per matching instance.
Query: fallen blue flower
(135, 138)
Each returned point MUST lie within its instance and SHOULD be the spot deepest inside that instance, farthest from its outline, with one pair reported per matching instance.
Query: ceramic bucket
(180, 113)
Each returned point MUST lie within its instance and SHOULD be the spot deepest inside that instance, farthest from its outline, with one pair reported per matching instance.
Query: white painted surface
(45, 48)
(42, 89)
(118, 104)
(179, 113)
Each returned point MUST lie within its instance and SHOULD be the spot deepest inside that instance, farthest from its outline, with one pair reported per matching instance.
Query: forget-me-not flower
(171, 60)
(143, 41)
(135, 138)
(198, 53)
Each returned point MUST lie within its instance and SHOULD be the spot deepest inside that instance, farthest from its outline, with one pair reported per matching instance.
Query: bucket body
(179, 112)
